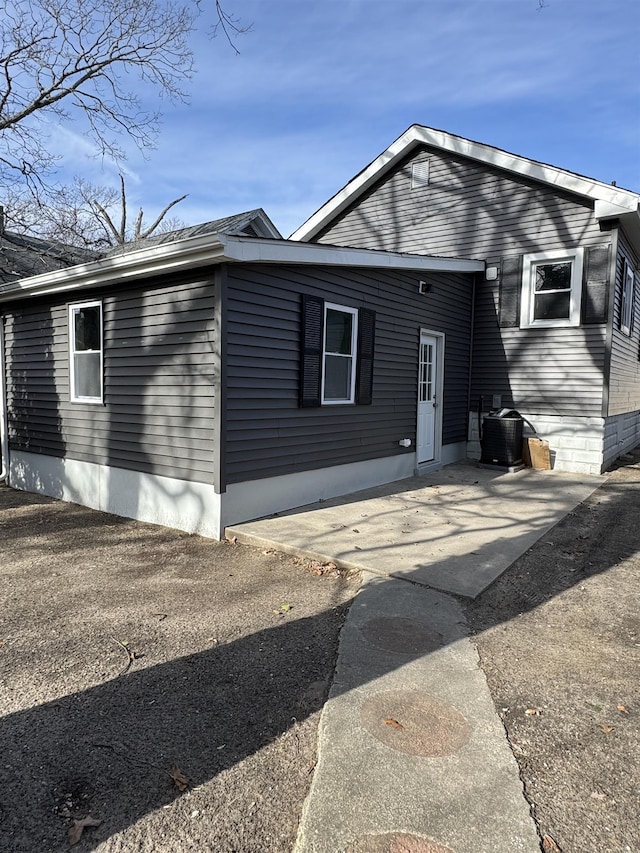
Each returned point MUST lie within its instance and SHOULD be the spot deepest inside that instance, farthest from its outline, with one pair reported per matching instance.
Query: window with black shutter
(336, 354)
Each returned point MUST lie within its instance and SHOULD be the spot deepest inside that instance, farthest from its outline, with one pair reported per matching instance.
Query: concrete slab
(456, 530)
(410, 747)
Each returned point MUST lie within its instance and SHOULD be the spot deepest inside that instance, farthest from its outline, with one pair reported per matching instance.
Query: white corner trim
(420, 135)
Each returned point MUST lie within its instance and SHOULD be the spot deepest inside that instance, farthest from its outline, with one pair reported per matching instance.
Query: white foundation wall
(195, 507)
(192, 507)
(257, 498)
(576, 444)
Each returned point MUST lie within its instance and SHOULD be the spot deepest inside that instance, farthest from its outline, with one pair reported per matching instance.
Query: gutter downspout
(4, 442)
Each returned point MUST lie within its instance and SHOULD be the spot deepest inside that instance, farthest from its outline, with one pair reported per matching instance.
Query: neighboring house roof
(23, 256)
(251, 223)
(609, 201)
(207, 249)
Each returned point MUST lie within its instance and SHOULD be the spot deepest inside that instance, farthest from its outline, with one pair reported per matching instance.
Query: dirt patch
(559, 641)
(128, 651)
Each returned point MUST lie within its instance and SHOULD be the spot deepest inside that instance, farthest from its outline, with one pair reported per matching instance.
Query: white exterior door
(427, 402)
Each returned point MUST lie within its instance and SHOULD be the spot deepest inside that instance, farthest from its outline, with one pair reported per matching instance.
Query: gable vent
(420, 174)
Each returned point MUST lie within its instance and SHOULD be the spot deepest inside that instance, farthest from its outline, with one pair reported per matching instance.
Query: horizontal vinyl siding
(157, 415)
(267, 433)
(624, 372)
(552, 371)
(468, 210)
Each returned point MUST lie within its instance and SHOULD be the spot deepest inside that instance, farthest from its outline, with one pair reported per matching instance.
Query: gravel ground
(129, 653)
(559, 641)
(128, 650)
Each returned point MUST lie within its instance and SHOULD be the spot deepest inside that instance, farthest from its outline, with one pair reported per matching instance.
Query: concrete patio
(455, 530)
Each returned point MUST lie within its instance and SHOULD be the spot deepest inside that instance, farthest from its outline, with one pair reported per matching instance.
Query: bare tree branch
(81, 62)
(82, 215)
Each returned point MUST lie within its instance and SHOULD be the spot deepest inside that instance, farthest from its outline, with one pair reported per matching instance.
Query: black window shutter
(596, 286)
(366, 345)
(510, 288)
(312, 329)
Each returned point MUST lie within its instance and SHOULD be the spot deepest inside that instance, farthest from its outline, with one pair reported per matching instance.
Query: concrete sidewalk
(412, 757)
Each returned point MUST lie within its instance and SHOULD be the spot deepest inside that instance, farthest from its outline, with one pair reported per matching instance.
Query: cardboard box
(536, 454)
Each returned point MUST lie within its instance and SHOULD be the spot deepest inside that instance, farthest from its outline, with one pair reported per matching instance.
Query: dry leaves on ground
(394, 723)
(78, 827)
(179, 779)
(549, 845)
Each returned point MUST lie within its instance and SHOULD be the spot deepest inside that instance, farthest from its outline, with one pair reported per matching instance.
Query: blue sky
(321, 87)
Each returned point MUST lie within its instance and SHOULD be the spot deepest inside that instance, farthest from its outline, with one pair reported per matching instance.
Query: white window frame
(331, 306)
(73, 310)
(527, 302)
(627, 297)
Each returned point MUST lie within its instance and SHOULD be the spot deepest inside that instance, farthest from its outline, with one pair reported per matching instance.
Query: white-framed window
(86, 352)
(626, 303)
(339, 354)
(551, 289)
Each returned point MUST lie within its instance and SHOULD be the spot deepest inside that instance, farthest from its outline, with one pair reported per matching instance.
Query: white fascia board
(129, 266)
(419, 135)
(259, 250)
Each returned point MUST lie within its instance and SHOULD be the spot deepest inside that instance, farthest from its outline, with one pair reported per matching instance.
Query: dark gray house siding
(267, 433)
(468, 210)
(157, 415)
(624, 372)
(478, 211)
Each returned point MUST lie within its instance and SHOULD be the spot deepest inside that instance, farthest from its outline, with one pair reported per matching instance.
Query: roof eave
(130, 266)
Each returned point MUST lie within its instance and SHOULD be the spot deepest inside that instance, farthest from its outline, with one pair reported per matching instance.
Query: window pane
(338, 333)
(87, 374)
(87, 328)
(552, 306)
(553, 276)
(337, 378)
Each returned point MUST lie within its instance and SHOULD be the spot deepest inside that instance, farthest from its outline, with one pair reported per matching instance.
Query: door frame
(439, 338)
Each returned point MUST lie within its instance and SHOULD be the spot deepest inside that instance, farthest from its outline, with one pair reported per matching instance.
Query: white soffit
(419, 135)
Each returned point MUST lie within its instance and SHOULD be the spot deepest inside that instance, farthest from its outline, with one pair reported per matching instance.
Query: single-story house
(217, 377)
(222, 373)
(556, 326)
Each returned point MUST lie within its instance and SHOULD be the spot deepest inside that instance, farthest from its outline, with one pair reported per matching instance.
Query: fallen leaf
(597, 795)
(622, 709)
(394, 723)
(533, 712)
(179, 779)
(285, 608)
(75, 831)
(549, 845)
(233, 540)
(605, 728)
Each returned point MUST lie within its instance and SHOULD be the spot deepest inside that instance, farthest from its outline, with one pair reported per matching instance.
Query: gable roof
(211, 249)
(251, 223)
(609, 201)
